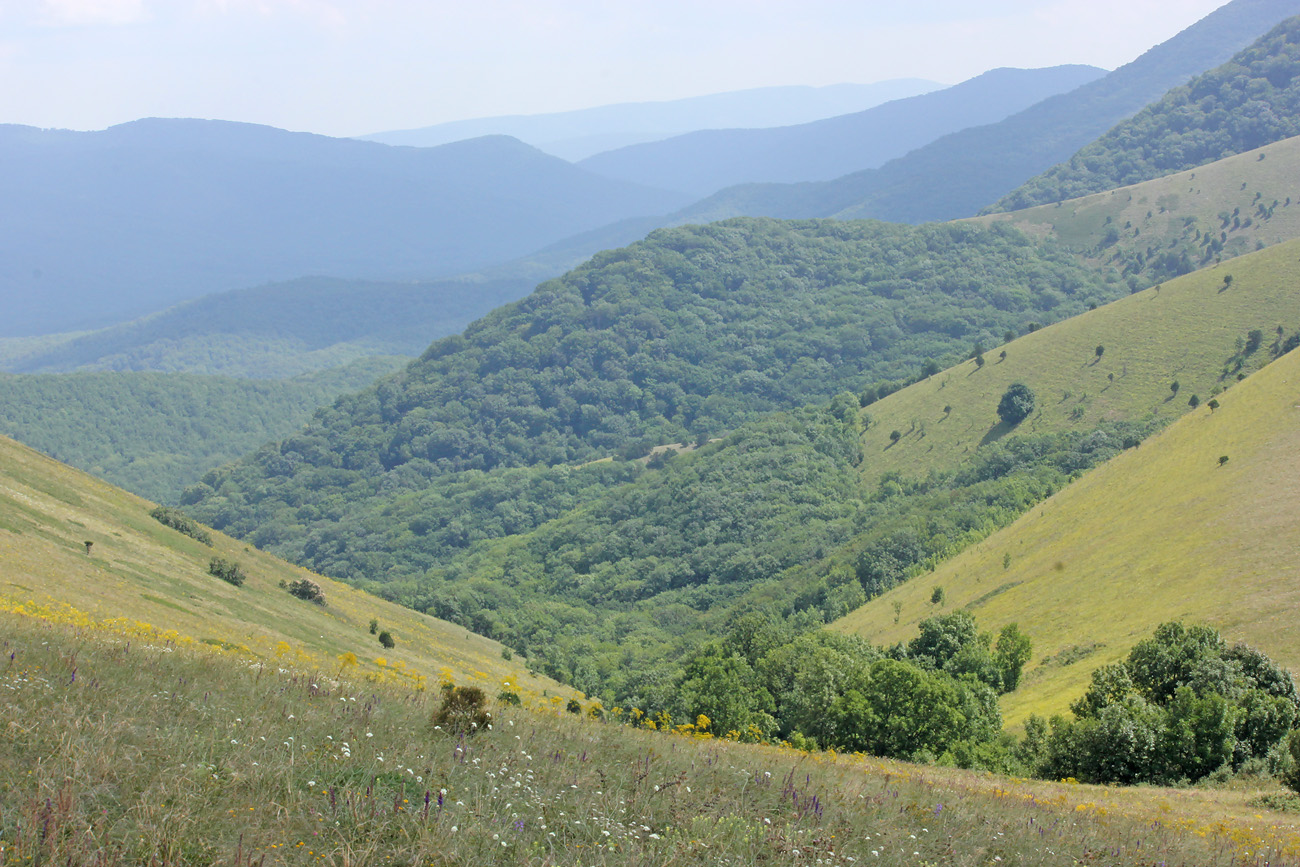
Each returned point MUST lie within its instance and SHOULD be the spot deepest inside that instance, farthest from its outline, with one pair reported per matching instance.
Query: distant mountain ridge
(576, 135)
(275, 331)
(102, 226)
(962, 173)
(1248, 102)
(704, 162)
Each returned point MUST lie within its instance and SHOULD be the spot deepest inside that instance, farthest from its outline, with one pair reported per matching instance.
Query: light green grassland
(1185, 331)
(140, 570)
(121, 753)
(1156, 212)
(1161, 532)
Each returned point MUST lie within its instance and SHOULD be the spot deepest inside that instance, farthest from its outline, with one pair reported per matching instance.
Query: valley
(865, 473)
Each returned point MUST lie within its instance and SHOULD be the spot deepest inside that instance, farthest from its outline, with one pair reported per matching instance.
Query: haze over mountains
(959, 174)
(703, 162)
(576, 135)
(104, 226)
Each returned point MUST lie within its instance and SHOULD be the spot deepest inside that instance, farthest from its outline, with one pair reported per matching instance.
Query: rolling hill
(793, 512)
(683, 335)
(701, 163)
(141, 578)
(962, 173)
(100, 227)
(1168, 525)
(576, 135)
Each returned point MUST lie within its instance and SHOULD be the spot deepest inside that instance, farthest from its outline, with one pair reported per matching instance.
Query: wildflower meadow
(126, 749)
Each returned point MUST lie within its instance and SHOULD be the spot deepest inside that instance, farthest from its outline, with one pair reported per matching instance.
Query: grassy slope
(1184, 330)
(1199, 195)
(125, 755)
(144, 571)
(1159, 533)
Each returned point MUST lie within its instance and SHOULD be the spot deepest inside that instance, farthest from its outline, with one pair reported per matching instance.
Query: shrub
(374, 626)
(308, 590)
(386, 639)
(573, 706)
(182, 523)
(227, 571)
(509, 696)
(463, 710)
(1016, 403)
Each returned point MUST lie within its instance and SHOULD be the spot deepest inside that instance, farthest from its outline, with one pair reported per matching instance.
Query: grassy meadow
(1185, 331)
(138, 752)
(141, 578)
(1157, 212)
(1161, 532)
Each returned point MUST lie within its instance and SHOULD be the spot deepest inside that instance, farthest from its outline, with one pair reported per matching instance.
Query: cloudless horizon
(352, 67)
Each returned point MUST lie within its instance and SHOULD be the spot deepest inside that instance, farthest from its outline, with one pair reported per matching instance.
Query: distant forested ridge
(681, 337)
(273, 331)
(1248, 102)
(156, 433)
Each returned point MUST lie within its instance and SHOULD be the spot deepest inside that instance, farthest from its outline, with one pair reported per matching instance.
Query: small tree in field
(307, 590)
(386, 639)
(1016, 404)
(463, 711)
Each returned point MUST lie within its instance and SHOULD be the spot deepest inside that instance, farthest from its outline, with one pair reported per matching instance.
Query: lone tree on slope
(1016, 404)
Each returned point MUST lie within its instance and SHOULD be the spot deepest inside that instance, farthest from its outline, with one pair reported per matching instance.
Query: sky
(351, 67)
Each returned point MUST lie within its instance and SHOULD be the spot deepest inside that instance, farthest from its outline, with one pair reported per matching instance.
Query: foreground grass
(136, 752)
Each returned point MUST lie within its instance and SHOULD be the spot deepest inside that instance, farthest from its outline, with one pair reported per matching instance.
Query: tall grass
(131, 751)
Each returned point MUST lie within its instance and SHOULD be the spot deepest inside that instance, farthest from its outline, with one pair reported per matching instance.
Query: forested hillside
(1250, 101)
(156, 433)
(803, 514)
(680, 337)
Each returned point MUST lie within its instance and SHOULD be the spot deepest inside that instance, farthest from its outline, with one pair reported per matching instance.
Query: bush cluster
(227, 570)
(182, 523)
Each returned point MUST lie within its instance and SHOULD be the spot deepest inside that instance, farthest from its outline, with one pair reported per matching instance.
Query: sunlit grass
(1161, 532)
(141, 572)
(135, 751)
(1184, 331)
(1161, 210)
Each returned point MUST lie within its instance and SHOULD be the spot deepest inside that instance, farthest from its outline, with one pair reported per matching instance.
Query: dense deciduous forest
(155, 433)
(678, 338)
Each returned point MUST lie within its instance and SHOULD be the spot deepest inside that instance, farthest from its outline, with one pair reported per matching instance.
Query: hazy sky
(348, 67)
